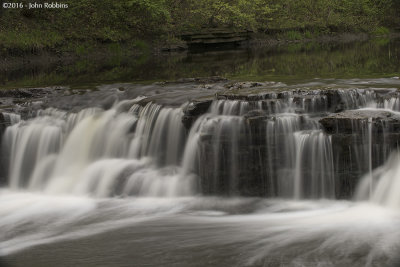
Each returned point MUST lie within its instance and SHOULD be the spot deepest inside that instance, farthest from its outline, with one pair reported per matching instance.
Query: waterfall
(271, 146)
(382, 186)
(11, 118)
(314, 172)
(145, 150)
(231, 153)
(159, 133)
(29, 143)
(299, 158)
(232, 107)
(214, 146)
(368, 98)
(280, 145)
(99, 153)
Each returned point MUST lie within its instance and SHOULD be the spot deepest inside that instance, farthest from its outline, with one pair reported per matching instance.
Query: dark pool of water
(289, 63)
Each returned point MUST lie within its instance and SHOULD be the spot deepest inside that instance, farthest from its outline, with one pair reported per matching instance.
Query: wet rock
(215, 37)
(193, 110)
(17, 93)
(247, 160)
(3, 125)
(209, 80)
(27, 101)
(212, 79)
(258, 113)
(186, 80)
(109, 102)
(175, 47)
(242, 85)
(334, 101)
(361, 141)
(344, 122)
(249, 91)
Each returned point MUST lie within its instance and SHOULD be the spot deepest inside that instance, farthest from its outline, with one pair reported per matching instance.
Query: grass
(30, 39)
(380, 31)
(293, 35)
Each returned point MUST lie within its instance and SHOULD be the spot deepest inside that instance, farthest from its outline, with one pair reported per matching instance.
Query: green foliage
(381, 30)
(293, 35)
(29, 40)
(235, 14)
(87, 20)
(308, 34)
(163, 21)
(337, 15)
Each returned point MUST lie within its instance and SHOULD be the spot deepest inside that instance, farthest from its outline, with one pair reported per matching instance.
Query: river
(298, 167)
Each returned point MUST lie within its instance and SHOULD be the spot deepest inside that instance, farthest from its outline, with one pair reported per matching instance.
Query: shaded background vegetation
(138, 23)
(290, 63)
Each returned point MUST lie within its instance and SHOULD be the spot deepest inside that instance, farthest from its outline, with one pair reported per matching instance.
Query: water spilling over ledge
(256, 161)
(250, 139)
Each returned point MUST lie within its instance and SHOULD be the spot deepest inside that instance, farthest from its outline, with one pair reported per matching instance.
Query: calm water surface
(287, 63)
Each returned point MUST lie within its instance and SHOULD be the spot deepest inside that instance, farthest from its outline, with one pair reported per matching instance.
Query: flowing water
(266, 180)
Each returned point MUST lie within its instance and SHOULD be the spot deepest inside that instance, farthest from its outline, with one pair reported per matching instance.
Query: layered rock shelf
(253, 139)
(215, 37)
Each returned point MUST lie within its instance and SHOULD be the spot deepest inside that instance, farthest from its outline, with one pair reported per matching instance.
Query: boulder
(346, 121)
(362, 140)
(193, 110)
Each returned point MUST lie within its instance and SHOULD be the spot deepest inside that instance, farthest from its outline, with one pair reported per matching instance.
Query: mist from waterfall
(382, 186)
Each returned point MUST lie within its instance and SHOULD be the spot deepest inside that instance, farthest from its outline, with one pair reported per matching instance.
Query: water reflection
(291, 62)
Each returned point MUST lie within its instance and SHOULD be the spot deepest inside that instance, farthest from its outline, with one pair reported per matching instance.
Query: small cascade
(314, 103)
(370, 98)
(217, 153)
(90, 152)
(382, 186)
(280, 154)
(362, 148)
(168, 137)
(392, 103)
(248, 155)
(26, 144)
(159, 133)
(314, 172)
(290, 140)
(271, 106)
(231, 107)
(225, 133)
(11, 118)
(362, 139)
(357, 98)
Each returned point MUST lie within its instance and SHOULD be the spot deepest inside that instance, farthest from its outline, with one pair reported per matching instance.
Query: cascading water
(138, 170)
(382, 186)
(216, 150)
(11, 118)
(314, 173)
(279, 157)
(280, 147)
(56, 151)
(98, 152)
